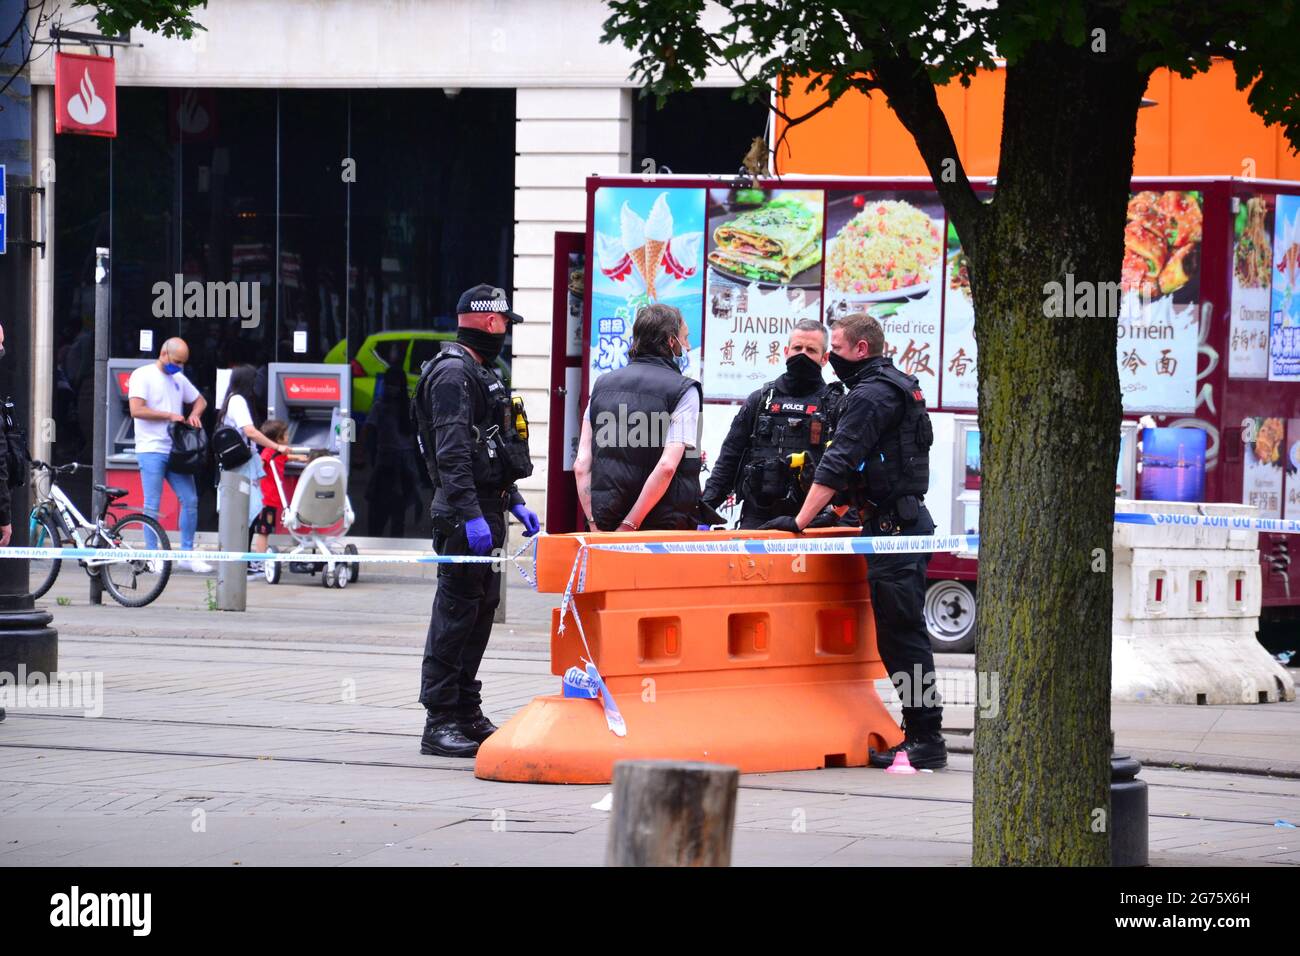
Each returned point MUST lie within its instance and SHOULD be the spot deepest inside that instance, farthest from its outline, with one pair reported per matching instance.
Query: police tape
(1230, 522)
(881, 544)
(99, 556)
(876, 544)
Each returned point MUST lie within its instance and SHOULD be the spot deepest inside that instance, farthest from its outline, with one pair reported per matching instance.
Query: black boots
(925, 751)
(443, 737)
(476, 726)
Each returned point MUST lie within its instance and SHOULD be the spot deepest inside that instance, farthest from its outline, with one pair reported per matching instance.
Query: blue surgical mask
(683, 360)
(171, 368)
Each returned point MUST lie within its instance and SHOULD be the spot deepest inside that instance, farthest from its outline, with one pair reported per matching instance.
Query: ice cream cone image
(658, 230)
(638, 260)
(632, 229)
(654, 253)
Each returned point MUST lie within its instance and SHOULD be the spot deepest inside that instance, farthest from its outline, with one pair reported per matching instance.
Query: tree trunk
(1050, 409)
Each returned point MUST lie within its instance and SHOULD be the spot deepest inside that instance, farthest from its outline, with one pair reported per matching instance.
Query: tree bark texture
(1050, 410)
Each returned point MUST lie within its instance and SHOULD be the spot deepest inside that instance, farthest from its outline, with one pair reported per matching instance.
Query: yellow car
(410, 349)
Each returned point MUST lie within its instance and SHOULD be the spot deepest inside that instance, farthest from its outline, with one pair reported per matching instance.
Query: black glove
(825, 518)
(708, 514)
(783, 523)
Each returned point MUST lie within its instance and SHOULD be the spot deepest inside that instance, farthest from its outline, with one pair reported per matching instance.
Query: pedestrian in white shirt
(158, 393)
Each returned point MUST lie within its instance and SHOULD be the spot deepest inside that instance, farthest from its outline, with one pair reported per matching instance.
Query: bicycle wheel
(43, 533)
(136, 582)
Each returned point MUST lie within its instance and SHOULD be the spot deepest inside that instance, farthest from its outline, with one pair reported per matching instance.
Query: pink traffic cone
(901, 764)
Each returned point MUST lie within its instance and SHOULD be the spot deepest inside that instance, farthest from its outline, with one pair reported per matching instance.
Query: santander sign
(85, 94)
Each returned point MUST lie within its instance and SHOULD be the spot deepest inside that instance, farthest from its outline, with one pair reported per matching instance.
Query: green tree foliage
(170, 18)
(1049, 394)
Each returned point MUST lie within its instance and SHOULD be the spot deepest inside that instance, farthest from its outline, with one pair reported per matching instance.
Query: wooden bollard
(672, 813)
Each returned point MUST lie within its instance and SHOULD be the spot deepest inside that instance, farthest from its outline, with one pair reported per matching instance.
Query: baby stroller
(319, 515)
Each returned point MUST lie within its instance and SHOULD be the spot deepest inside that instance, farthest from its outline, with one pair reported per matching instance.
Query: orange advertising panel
(1199, 126)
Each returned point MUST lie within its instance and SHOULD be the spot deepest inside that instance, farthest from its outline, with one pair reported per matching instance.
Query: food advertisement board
(884, 256)
(764, 275)
(649, 248)
(960, 383)
(1284, 321)
(1262, 461)
(1252, 267)
(1159, 319)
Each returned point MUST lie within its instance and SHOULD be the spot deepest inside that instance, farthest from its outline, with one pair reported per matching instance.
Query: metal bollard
(1128, 813)
(232, 535)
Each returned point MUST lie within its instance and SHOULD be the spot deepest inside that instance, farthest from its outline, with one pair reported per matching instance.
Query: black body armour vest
(898, 466)
(786, 425)
(499, 453)
(630, 412)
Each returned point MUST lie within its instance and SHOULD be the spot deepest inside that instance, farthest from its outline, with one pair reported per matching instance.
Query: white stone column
(41, 410)
(561, 137)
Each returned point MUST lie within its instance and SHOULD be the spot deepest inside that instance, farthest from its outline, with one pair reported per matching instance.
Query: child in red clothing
(272, 503)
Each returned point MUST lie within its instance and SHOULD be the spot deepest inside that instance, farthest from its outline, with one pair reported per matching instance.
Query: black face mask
(846, 369)
(802, 369)
(486, 344)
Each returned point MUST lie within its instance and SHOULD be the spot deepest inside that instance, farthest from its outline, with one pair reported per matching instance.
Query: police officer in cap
(879, 457)
(473, 438)
(779, 434)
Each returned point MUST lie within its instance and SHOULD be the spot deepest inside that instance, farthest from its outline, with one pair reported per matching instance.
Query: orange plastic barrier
(763, 662)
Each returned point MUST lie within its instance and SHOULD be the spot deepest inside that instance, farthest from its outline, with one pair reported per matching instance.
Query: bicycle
(55, 522)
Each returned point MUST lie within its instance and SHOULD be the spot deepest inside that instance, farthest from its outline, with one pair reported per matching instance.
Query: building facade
(357, 163)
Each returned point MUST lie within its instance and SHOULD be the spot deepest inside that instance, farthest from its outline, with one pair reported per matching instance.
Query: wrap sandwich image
(771, 244)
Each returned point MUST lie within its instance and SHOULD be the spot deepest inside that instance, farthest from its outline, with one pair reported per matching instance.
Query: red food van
(1208, 345)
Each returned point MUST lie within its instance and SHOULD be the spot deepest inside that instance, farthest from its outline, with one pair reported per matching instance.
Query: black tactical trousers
(461, 623)
(897, 583)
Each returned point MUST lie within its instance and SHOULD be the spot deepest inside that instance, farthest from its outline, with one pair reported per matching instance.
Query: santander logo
(85, 94)
(85, 106)
(191, 117)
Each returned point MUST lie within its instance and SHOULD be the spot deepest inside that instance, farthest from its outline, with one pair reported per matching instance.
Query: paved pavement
(289, 735)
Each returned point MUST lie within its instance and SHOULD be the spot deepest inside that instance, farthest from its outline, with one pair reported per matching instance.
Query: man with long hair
(633, 468)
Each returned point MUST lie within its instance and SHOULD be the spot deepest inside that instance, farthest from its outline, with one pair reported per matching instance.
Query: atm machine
(315, 401)
(120, 467)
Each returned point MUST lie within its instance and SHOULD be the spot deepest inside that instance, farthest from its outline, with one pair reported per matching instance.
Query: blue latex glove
(527, 518)
(479, 535)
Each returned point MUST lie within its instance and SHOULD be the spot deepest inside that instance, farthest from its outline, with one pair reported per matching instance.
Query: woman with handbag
(235, 439)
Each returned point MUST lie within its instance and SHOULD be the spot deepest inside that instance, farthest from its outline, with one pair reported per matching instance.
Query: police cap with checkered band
(486, 298)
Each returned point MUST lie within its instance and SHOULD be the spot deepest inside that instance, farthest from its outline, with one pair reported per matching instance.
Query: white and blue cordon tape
(878, 544)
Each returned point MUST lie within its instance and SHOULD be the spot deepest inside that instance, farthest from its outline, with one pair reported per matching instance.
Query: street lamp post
(26, 639)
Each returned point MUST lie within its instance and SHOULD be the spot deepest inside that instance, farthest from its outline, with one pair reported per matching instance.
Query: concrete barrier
(1186, 612)
(764, 662)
